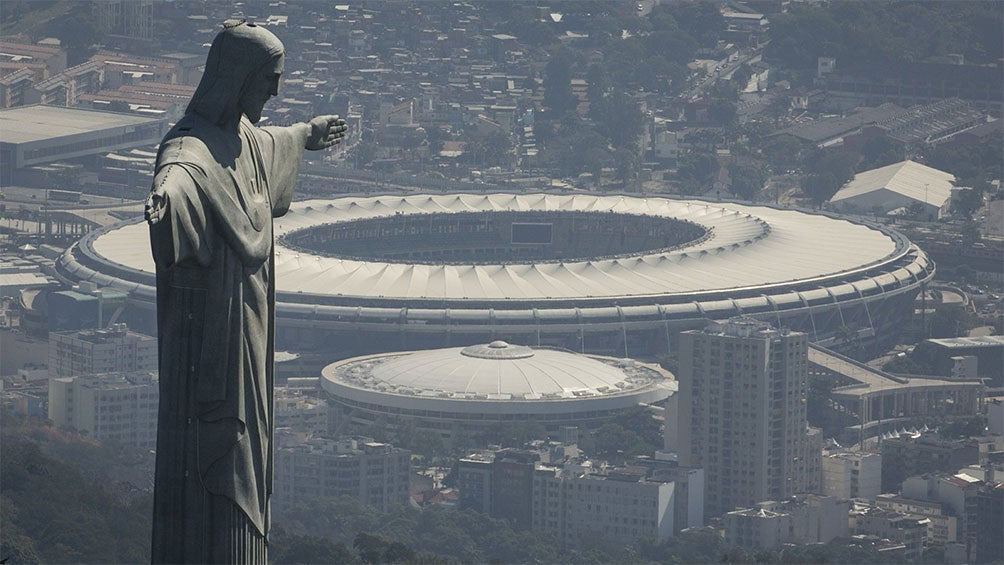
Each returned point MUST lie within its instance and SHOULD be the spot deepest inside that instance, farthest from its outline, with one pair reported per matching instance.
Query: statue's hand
(156, 205)
(325, 131)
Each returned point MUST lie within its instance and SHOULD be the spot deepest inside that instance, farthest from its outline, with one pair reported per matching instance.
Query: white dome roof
(489, 376)
(500, 370)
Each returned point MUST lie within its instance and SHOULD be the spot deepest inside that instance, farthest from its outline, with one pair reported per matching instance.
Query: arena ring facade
(485, 384)
(609, 274)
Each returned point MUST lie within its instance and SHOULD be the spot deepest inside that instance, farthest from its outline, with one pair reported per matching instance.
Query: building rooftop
(826, 129)
(974, 341)
(26, 124)
(908, 178)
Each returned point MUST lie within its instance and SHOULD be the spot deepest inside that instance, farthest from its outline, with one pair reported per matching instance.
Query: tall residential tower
(742, 416)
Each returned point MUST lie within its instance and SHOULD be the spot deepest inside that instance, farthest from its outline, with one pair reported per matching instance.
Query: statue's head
(242, 73)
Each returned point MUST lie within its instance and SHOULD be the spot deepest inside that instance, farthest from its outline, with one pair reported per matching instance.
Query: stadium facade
(609, 274)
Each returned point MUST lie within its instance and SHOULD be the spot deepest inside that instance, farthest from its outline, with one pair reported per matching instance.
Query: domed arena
(610, 274)
(485, 384)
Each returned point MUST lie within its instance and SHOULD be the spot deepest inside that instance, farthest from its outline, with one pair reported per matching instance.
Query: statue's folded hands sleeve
(179, 226)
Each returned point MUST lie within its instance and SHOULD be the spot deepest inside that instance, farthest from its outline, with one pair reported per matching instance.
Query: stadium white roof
(747, 247)
(907, 178)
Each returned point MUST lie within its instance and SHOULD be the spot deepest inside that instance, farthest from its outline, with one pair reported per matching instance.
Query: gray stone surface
(219, 182)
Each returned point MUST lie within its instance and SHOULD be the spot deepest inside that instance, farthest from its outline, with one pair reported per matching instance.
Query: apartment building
(375, 474)
(577, 503)
(741, 413)
(851, 474)
(89, 352)
(120, 408)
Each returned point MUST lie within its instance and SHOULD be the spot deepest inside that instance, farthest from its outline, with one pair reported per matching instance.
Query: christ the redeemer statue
(219, 181)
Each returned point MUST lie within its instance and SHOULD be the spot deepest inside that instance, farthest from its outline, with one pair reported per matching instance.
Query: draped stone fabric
(213, 249)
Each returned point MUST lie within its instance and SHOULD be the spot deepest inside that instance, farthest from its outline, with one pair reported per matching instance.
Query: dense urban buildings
(557, 489)
(913, 454)
(801, 519)
(741, 413)
(493, 191)
(988, 351)
(578, 504)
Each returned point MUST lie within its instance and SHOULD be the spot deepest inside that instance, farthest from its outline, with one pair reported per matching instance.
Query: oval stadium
(609, 274)
(484, 384)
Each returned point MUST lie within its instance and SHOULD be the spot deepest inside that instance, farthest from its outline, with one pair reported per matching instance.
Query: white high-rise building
(852, 474)
(742, 414)
(576, 503)
(375, 474)
(111, 407)
(92, 352)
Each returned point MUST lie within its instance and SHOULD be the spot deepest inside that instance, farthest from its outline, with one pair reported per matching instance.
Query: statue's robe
(215, 314)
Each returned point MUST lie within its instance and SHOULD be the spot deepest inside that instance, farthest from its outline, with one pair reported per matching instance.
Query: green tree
(558, 95)
(741, 77)
(907, 365)
(880, 151)
(702, 20)
(79, 32)
(950, 321)
(966, 202)
(722, 112)
(599, 83)
(747, 180)
(53, 514)
(827, 170)
(619, 120)
(783, 153)
(696, 171)
(291, 548)
(627, 163)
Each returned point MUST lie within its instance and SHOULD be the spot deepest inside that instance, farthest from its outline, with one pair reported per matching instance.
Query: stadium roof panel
(748, 247)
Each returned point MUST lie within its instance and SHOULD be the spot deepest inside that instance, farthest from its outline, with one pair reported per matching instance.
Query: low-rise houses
(801, 519)
(904, 456)
(909, 530)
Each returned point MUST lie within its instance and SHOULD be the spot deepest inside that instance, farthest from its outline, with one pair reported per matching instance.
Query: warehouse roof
(26, 124)
(908, 178)
(974, 341)
(826, 129)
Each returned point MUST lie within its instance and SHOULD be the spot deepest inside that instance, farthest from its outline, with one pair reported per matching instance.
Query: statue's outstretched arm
(325, 131)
